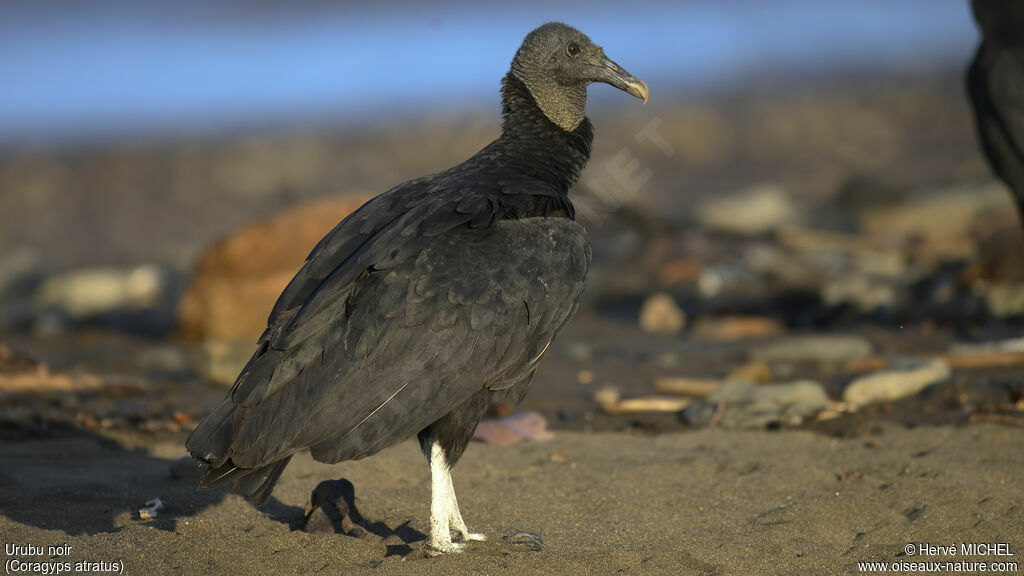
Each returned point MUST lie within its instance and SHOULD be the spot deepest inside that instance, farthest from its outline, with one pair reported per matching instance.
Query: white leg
(444, 508)
(457, 523)
(440, 502)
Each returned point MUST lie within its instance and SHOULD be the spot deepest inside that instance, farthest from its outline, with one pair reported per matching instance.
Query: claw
(471, 536)
(439, 548)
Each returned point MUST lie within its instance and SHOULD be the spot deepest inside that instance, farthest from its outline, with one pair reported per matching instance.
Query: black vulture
(428, 303)
(995, 85)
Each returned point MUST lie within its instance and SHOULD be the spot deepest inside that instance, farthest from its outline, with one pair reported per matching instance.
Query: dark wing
(345, 240)
(996, 88)
(405, 328)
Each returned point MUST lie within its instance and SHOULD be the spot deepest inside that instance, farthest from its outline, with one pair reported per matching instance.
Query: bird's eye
(572, 49)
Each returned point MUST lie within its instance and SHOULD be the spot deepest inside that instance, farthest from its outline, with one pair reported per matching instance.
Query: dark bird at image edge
(995, 86)
(430, 302)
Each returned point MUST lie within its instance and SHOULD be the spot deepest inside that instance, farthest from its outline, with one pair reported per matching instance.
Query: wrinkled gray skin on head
(558, 79)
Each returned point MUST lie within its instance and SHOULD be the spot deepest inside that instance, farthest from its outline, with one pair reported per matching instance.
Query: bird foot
(467, 536)
(445, 547)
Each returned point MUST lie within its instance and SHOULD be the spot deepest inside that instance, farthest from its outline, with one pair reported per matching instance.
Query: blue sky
(77, 69)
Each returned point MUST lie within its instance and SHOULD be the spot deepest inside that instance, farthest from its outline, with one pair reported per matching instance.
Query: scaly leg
(457, 523)
(444, 508)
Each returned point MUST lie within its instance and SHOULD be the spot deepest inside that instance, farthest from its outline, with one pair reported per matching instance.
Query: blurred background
(803, 168)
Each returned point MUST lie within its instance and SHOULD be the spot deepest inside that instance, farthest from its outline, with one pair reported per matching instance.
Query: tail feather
(253, 484)
(211, 440)
(211, 443)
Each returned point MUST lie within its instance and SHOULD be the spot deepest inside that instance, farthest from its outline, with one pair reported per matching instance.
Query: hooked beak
(611, 73)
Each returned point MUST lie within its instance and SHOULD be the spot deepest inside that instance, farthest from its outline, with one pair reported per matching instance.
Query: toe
(436, 549)
(465, 535)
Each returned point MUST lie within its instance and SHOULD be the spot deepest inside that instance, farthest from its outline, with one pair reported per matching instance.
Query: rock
(889, 385)
(660, 314)
(726, 278)
(238, 279)
(818, 348)
(491, 432)
(607, 396)
(863, 293)
(1010, 346)
(943, 219)
(751, 212)
(864, 254)
(1003, 300)
(753, 372)
(687, 386)
(525, 425)
(733, 328)
(676, 271)
(646, 404)
(742, 405)
(528, 540)
(89, 292)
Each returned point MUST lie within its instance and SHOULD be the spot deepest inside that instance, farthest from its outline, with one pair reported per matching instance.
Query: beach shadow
(81, 482)
(335, 510)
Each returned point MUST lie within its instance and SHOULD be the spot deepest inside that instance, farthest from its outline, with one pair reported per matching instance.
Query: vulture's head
(557, 62)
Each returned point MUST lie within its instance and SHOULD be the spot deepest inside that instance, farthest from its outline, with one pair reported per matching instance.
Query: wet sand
(704, 502)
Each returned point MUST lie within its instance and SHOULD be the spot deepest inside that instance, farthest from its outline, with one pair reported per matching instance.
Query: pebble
(742, 405)
(822, 348)
(1010, 346)
(754, 372)
(606, 396)
(889, 385)
(733, 328)
(862, 292)
(660, 314)
(529, 540)
(1003, 300)
(88, 292)
(939, 215)
(751, 212)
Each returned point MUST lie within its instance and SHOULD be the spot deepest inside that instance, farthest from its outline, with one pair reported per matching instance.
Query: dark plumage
(995, 84)
(429, 302)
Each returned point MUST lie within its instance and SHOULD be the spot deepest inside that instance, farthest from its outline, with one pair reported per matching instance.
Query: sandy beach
(707, 502)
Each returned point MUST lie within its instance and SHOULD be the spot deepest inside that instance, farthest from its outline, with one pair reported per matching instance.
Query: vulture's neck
(534, 145)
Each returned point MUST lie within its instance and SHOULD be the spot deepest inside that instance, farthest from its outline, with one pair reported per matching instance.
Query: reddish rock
(239, 278)
(525, 425)
(660, 314)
